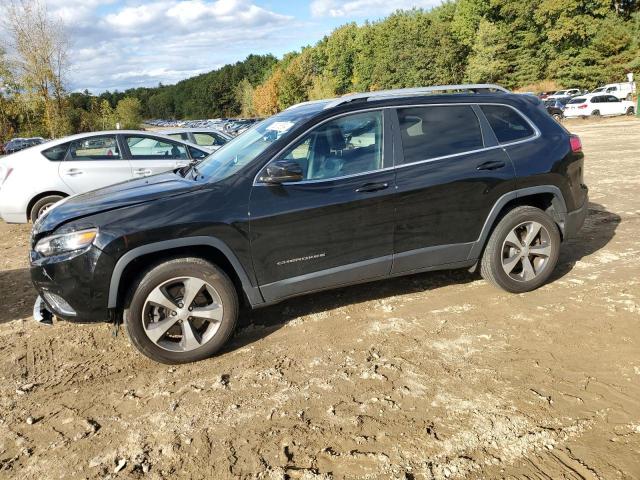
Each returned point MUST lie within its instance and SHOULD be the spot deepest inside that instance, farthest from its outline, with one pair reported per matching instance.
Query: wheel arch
(131, 265)
(40, 196)
(546, 197)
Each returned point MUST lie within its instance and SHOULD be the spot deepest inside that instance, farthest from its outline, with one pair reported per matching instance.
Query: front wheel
(631, 111)
(182, 311)
(522, 251)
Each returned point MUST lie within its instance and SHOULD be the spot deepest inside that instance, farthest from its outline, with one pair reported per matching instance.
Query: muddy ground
(436, 375)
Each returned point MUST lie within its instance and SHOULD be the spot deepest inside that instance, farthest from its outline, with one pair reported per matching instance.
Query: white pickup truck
(624, 91)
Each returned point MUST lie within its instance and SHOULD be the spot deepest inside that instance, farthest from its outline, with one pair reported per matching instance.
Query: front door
(151, 155)
(335, 226)
(449, 176)
(94, 162)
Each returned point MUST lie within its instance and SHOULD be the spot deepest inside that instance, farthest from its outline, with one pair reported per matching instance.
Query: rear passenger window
(431, 132)
(507, 124)
(57, 153)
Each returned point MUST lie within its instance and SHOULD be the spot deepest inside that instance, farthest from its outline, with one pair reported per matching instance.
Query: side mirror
(281, 171)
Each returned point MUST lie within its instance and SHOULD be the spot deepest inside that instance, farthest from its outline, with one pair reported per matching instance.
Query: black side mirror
(281, 171)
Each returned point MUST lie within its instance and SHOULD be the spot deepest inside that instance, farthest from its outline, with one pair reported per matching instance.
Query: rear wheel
(183, 310)
(42, 205)
(557, 117)
(522, 251)
(595, 113)
(630, 111)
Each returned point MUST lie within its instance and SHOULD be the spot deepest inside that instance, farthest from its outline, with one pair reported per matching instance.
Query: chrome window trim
(537, 134)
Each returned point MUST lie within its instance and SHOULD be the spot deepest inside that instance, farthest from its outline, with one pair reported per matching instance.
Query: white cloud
(119, 44)
(365, 8)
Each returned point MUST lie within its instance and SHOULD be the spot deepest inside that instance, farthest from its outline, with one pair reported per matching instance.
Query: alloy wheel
(182, 314)
(526, 251)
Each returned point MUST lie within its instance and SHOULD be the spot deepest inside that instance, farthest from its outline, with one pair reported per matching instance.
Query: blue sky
(118, 44)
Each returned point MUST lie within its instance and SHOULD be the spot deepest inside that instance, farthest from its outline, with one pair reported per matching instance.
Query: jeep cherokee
(325, 194)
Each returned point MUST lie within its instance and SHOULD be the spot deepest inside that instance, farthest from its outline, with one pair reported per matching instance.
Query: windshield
(240, 151)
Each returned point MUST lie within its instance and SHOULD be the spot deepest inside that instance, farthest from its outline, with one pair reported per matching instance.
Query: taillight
(584, 105)
(576, 144)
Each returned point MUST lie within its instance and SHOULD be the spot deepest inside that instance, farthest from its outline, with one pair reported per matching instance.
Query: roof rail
(406, 92)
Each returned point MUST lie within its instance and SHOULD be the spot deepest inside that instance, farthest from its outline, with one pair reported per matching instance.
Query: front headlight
(67, 242)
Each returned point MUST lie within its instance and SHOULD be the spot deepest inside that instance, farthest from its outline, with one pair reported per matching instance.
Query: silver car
(209, 138)
(34, 179)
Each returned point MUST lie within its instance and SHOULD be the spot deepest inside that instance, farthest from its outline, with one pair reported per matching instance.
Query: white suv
(34, 179)
(597, 104)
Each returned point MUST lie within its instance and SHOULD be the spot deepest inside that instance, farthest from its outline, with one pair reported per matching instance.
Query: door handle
(493, 165)
(72, 172)
(143, 171)
(372, 187)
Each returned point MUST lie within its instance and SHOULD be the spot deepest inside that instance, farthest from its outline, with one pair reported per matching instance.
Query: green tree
(487, 63)
(128, 113)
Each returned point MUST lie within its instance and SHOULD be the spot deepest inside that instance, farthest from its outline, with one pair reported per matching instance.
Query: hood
(132, 192)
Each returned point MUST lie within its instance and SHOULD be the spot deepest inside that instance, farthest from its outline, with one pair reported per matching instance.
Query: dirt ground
(431, 376)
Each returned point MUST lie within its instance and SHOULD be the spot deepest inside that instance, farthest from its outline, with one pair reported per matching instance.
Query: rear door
(336, 225)
(94, 162)
(150, 155)
(450, 173)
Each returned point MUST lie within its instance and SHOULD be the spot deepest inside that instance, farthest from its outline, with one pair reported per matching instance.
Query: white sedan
(34, 179)
(597, 104)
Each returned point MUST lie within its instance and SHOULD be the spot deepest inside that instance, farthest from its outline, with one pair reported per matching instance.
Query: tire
(42, 205)
(595, 113)
(557, 117)
(631, 111)
(500, 249)
(188, 337)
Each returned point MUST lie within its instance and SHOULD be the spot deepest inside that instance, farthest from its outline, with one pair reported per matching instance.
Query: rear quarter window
(507, 124)
(56, 153)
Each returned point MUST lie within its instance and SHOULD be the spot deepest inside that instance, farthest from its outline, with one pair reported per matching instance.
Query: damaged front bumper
(41, 312)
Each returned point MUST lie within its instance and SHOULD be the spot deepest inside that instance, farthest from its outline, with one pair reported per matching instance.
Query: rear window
(577, 100)
(56, 153)
(431, 132)
(507, 124)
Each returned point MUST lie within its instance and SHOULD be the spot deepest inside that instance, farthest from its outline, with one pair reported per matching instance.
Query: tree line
(533, 45)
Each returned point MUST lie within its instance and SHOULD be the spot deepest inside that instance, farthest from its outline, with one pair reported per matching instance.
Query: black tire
(491, 264)
(164, 272)
(41, 205)
(595, 113)
(631, 111)
(557, 117)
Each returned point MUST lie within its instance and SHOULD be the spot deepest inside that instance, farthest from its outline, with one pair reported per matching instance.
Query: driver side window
(345, 146)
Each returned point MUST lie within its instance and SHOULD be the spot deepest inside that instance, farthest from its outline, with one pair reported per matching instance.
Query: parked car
(595, 104)
(32, 180)
(545, 95)
(18, 144)
(323, 195)
(571, 92)
(623, 91)
(556, 107)
(208, 138)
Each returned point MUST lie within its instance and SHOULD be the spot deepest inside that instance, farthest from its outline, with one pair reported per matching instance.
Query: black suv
(324, 194)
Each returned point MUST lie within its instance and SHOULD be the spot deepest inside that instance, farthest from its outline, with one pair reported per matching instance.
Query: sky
(120, 44)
